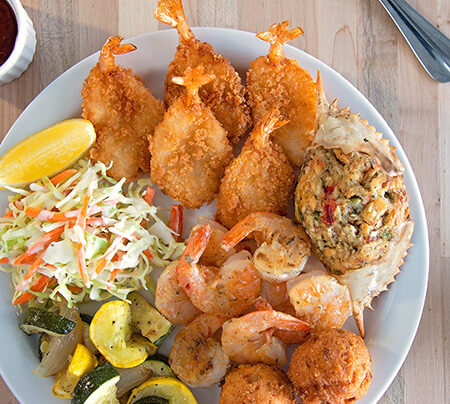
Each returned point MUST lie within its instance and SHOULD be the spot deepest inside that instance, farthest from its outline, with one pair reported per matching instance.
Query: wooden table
(355, 37)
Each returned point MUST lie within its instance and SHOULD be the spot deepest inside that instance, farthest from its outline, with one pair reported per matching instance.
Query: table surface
(356, 38)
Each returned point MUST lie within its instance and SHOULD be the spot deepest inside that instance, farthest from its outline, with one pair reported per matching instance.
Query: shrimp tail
(277, 36)
(287, 322)
(171, 12)
(193, 79)
(272, 121)
(241, 230)
(261, 304)
(191, 255)
(113, 47)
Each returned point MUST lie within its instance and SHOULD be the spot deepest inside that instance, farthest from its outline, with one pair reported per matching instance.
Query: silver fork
(431, 46)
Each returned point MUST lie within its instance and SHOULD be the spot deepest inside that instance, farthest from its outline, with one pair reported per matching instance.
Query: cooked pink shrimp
(274, 292)
(214, 254)
(229, 290)
(251, 339)
(196, 356)
(170, 299)
(320, 300)
(283, 248)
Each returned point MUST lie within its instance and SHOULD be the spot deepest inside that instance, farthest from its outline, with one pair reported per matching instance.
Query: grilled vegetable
(149, 347)
(38, 320)
(110, 331)
(166, 388)
(56, 356)
(132, 377)
(87, 318)
(149, 321)
(83, 361)
(158, 368)
(44, 340)
(98, 386)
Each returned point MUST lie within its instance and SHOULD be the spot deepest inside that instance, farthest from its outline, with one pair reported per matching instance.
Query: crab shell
(339, 128)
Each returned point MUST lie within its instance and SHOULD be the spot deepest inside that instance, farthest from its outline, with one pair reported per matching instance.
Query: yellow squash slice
(167, 388)
(110, 331)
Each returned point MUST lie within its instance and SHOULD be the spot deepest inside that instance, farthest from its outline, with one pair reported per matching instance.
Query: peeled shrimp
(283, 246)
(229, 290)
(251, 339)
(320, 300)
(196, 357)
(170, 299)
(274, 292)
(214, 254)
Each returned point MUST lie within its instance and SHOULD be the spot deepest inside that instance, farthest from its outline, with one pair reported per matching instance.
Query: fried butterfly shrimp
(283, 246)
(225, 95)
(228, 290)
(189, 148)
(259, 179)
(123, 111)
(251, 338)
(275, 80)
(196, 356)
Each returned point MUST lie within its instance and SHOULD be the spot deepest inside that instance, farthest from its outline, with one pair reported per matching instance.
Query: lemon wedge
(46, 152)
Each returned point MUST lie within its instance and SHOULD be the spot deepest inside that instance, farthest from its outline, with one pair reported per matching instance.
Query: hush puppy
(332, 366)
(257, 384)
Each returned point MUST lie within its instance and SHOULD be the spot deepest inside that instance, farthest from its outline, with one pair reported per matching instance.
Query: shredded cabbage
(124, 236)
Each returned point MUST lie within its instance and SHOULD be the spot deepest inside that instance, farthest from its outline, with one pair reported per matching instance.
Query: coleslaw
(82, 235)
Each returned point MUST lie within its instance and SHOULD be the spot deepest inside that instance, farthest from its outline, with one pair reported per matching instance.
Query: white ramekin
(24, 48)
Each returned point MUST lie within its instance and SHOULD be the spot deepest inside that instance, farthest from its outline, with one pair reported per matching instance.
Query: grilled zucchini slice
(149, 321)
(98, 386)
(166, 388)
(110, 331)
(159, 368)
(38, 320)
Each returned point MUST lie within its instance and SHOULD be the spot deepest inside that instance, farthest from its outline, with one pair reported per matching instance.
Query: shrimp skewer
(123, 112)
(275, 80)
(251, 339)
(320, 300)
(260, 178)
(229, 290)
(170, 299)
(283, 246)
(189, 148)
(196, 356)
(225, 95)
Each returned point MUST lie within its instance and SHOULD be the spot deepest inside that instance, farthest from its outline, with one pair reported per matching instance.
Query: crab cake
(257, 384)
(349, 206)
(332, 366)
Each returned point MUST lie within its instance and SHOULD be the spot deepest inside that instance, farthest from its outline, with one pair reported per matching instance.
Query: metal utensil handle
(431, 47)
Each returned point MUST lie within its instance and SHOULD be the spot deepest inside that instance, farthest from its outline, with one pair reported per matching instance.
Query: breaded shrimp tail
(261, 133)
(277, 36)
(193, 79)
(171, 12)
(113, 46)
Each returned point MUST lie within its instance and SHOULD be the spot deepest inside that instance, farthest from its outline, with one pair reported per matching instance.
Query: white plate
(390, 327)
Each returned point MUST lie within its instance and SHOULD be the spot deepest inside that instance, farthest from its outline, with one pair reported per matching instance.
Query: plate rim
(392, 138)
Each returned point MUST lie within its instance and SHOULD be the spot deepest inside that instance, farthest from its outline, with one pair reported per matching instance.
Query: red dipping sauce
(8, 30)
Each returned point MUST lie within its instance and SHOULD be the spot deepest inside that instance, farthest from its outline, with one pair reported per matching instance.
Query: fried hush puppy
(257, 384)
(189, 148)
(123, 111)
(259, 179)
(332, 366)
(225, 95)
(276, 81)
